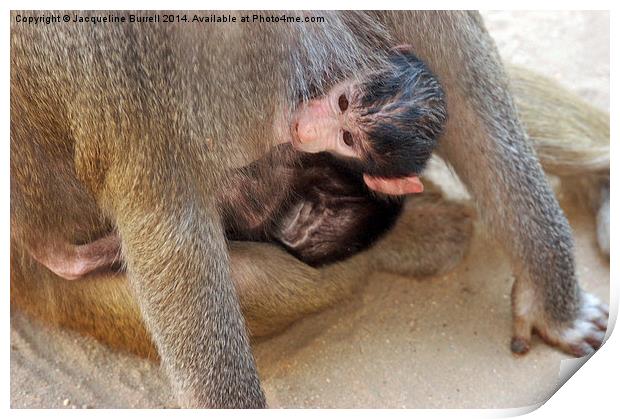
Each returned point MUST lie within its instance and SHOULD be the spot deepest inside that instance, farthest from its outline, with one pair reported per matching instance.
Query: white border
(592, 392)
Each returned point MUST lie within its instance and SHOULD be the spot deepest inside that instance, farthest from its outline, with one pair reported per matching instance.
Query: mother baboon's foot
(580, 336)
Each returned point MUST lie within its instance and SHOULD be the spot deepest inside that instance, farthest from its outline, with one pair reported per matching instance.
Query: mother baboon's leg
(571, 139)
(274, 288)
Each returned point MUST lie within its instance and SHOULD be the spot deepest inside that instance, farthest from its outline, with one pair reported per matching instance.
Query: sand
(400, 342)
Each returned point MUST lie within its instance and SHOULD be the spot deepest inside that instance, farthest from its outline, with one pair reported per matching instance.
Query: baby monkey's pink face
(329, 123)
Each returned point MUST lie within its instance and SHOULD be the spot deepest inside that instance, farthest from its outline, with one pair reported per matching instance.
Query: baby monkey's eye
(343, 103)
(347, 138)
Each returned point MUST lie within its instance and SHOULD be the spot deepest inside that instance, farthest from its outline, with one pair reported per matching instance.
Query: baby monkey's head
(401, 113)
(384, 126)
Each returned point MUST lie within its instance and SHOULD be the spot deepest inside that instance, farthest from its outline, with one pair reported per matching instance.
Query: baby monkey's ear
(395, 186)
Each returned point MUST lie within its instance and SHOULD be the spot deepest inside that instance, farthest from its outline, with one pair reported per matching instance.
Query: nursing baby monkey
(140, 128)
(382, 127)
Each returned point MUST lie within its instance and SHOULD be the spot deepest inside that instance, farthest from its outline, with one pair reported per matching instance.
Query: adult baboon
(136, 127)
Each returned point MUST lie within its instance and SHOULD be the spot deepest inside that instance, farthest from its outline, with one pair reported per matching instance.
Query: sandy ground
(400, 342)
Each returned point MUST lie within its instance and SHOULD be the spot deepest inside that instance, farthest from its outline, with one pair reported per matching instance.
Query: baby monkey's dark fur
(329, 216)
(403, 113)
